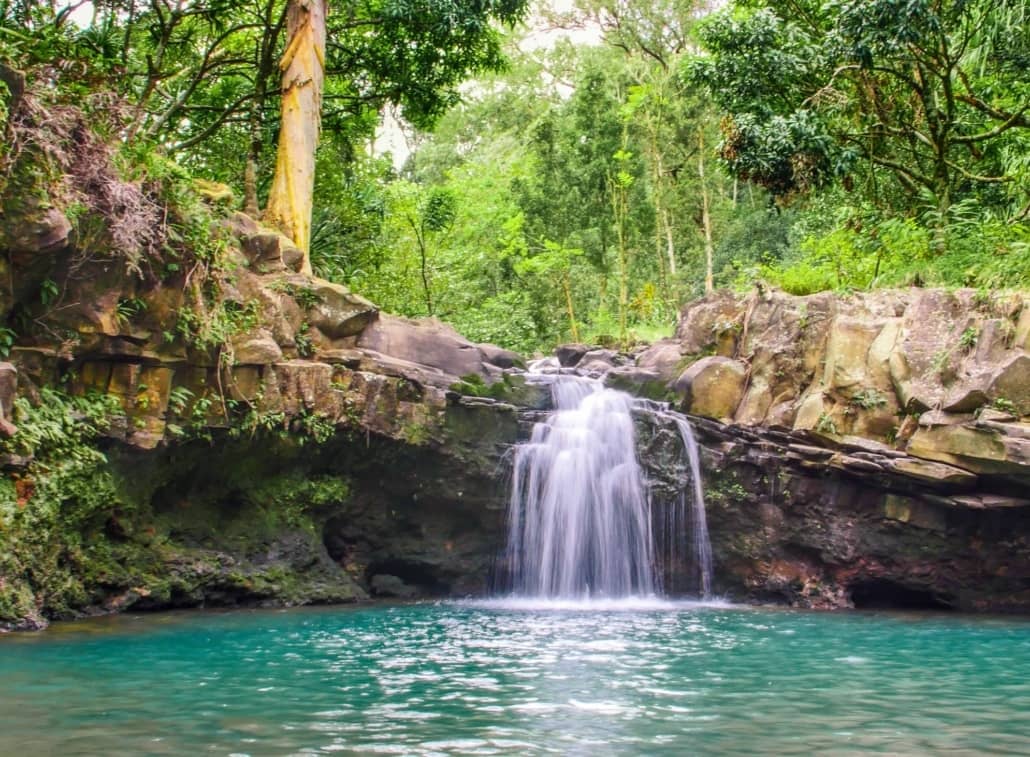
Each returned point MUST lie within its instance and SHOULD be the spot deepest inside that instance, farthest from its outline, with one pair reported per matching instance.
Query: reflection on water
(635, 677)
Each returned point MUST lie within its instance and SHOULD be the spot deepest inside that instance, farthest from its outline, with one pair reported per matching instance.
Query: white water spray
(580, 514)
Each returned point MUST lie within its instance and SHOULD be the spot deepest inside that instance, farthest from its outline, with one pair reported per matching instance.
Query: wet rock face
(852, 526)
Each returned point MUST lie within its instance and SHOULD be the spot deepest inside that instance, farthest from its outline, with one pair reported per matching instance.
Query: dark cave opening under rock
(884, 594)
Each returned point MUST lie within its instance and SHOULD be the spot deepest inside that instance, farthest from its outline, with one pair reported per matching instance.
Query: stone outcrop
(917, 370)
(877, 454)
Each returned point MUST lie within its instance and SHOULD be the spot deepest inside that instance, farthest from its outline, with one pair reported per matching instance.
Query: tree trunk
(303, 67)
(428, 292)
(706, 218)
(567, 289)
(670, 245)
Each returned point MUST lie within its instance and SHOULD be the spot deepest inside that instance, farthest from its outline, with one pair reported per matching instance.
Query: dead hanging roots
(121, 218)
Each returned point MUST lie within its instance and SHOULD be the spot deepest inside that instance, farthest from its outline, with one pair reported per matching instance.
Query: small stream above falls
(582, 521)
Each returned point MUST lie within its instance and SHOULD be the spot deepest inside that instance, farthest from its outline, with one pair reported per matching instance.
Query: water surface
(624, 678)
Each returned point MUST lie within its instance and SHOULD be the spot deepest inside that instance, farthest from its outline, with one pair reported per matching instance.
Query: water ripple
(475, 678)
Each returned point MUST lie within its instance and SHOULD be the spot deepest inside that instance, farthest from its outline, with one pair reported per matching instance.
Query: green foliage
(826, 425)
(305, 347)
(967, 340)
(7, 337)
(1004, 405)
(473, 385)
(293, 497)
(310, 426)
(128, 308)
(917, 107)
(61, 427)
(46, 510)
(868, 399)
(212, 326)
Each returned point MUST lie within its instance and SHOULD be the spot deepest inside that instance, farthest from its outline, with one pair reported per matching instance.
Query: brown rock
(663, 358)
(8, 388)
(1021, 336)
(1012, 383)
(37, 231)
(928, 472)
(268, 251)
(712, 387)
(334, 310)
(598, 362)
(700, 322)
(965, 400)
(256, 349)
(980, 450)
(914, 512)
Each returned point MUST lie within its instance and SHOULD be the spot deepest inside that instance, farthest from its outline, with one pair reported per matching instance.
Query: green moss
(508, 388)
(83, 528)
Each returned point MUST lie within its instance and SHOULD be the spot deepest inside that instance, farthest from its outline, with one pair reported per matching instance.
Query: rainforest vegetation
(553, 189)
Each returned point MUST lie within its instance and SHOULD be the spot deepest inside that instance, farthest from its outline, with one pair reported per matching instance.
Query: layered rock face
(864, 450)
(273, 438)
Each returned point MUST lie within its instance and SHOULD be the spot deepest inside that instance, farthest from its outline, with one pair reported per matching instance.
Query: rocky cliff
(862, 450)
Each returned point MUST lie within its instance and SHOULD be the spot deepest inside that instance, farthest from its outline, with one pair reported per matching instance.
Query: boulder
(500, 357)
(1011, 384)
(334, 310)
(784, 338)
(637, 381)
(977, 449)
(426, 342)
(701, 322)
(712, 387)
(662, 358)
(43, 233)
(599, 362)
(570, 354)
(271, 252)
(847, 353)
(1021, 335)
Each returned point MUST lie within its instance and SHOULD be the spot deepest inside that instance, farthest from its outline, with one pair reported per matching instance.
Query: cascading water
(698, 526)
(580, 513)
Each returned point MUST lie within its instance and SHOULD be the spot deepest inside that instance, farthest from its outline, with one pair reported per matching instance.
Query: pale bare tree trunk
(661, 211)
(567, 289)
(706, 218)
(303, 67)
(670, 245)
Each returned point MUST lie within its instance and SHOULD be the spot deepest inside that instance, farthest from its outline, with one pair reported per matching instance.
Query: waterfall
(702, 547)
(580, 514)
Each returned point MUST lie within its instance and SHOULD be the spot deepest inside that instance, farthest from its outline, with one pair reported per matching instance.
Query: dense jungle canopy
(561, 190)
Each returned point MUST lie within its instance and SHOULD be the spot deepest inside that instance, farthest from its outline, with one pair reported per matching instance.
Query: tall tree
(927, 93)
(303, 67)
